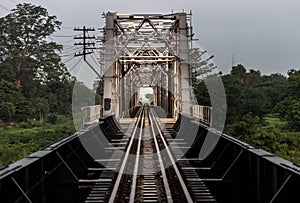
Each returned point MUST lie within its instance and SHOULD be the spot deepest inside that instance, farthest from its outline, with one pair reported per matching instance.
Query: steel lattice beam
(133, 43)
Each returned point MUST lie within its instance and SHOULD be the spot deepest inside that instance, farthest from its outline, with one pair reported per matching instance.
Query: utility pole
(86, 45)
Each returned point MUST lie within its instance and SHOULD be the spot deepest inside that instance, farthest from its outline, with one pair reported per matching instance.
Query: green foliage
(201, 93)
(17, 142)
(52, 119)
(7, 71)
(10, 153)
(82, 96)
(274, 120)
(42, 107)
(8, 91)
(268, 138)
(262, 109)
(289, 108)
(23, 109)
(98, 87)
(7, 110)
(234, 94)
(246, 128)
(23, 44)
(239, 71)
(294, 83)
(30, 65)
(14, 105)
(34, 82)
(246, 92)
(274, 86)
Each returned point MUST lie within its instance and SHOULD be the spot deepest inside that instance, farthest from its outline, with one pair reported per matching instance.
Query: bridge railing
(90, 114)
(203, 114)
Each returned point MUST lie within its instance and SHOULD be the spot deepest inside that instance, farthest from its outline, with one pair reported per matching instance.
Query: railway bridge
(157, 148)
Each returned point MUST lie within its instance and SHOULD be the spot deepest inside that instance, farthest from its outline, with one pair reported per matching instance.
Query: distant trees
(42, 107)
(31, 70)
(289, 108)
(13, 104)
(7, 110)
(250, 92)
(254, 103)
(245, 92)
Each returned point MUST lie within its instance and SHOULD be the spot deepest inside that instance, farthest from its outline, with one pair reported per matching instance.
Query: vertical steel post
(109, 65)
(186, 103)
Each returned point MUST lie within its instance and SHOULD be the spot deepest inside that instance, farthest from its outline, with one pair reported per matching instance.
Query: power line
(62, 35)
(95, 71)
(71, 69)
(95, 60)
(67, 60)
(67, 54)
(70, 51)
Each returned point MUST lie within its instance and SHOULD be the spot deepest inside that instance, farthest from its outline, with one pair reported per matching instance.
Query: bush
(24, 125)
(7, 110)
(52, 119)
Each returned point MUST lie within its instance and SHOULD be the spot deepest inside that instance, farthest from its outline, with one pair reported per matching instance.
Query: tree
(246, 128)
(289, 108)
(23, 44)
(234, 94)
(294, 84)
(82, 96)
(6, 71)
(7, 110)
(274, 87)
(202, 93)
(239, 71)
(42, 107)
(18, 108)
(30, 60)
(23, 108)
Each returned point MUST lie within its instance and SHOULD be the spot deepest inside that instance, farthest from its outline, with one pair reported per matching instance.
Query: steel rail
(121, 172)
(136, 165)
(179, 176)
(161, 164)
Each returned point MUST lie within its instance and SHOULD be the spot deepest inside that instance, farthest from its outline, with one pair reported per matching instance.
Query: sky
(260, 34)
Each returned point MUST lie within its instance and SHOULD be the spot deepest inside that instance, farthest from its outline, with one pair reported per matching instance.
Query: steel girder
(146, 49)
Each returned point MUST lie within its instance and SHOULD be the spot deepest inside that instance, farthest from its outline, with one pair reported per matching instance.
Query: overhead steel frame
(147, 50)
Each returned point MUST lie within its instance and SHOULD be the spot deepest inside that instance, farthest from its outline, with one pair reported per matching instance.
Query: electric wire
(71, 69)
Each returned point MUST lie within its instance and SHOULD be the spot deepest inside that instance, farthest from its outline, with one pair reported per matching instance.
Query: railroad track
(148, 171)
(66, 172)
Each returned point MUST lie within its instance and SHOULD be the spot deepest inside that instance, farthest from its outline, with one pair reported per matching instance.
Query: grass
(286, 138)
(19, 141)
(273, 120)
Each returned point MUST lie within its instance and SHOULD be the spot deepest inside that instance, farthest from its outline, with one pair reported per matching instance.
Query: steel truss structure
(147, 50)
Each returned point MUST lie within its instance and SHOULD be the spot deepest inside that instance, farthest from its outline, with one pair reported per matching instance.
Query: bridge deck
(84, 168)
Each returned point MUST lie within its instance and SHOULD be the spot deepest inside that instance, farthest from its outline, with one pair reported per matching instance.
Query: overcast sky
(261, 34)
